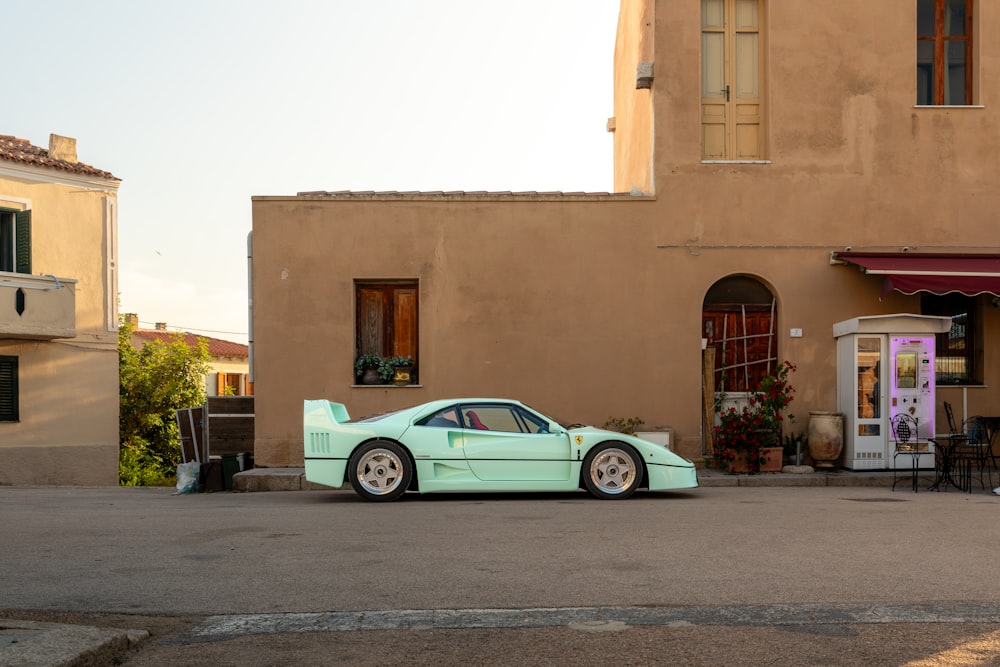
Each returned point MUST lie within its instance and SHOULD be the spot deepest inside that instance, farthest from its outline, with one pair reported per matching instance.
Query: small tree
(154, 382)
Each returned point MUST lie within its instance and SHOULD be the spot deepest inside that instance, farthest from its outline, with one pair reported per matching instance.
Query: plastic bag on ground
(187, 477)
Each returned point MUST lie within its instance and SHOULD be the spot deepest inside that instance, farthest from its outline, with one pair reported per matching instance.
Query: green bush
(626, 425)
(154, 383)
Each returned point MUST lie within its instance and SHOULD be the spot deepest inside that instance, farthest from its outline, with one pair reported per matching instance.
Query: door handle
(727, 92)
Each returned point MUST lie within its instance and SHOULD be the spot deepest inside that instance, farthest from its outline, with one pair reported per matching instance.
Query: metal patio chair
(904, 432)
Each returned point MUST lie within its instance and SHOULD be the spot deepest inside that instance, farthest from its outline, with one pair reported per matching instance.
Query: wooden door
(745, 345)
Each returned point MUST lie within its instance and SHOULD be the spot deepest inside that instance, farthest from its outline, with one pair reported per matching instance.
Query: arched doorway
(739, 320)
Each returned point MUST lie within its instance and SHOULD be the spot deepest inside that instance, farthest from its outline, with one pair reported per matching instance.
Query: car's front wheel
(380, 470)
(612, 470)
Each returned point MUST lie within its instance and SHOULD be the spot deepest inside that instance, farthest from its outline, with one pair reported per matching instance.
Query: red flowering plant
(741, 433)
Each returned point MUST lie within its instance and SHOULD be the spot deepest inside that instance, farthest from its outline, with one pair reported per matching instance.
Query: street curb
(32, 644)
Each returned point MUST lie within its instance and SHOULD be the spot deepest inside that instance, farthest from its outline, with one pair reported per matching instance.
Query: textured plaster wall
(572, 307)
(633, 118)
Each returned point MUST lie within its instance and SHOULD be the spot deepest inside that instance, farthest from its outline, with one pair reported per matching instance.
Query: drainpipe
(250, 303)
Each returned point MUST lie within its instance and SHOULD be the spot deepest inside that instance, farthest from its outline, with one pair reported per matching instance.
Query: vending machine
(885, 367)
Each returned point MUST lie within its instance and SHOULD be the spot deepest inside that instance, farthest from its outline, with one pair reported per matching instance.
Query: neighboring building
(58, 316)
(755, 145)
(228, 363)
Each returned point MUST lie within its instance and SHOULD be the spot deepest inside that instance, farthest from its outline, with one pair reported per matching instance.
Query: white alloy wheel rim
(380, 471)
(613, 471)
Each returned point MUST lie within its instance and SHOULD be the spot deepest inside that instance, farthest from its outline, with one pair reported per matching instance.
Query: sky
(199, 105)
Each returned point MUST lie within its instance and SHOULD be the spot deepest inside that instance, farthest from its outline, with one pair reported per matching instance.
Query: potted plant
(773, 396)
(738, 440)
(748, 439)
(794, 445)
(626, 425)
(367, 367)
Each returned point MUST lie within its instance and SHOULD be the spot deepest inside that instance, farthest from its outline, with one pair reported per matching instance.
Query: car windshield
(565, 424)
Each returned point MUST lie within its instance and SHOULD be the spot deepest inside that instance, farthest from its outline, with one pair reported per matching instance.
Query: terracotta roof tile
(13, 149)
(216, 347)
(460, 194)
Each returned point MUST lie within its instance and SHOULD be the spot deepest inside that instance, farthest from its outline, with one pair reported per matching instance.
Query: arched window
(739, 319)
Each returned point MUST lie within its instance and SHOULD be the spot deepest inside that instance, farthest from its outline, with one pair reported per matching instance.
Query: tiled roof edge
(216, 346)
(463, 194)
(13, 149)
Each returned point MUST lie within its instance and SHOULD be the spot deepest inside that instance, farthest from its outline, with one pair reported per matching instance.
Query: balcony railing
(37, 307)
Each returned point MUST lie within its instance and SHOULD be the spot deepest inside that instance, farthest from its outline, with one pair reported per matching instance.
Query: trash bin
(230, 466)
(211, 475)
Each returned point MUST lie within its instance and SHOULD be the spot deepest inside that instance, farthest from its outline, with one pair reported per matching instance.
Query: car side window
(489, 418)
(503, 418)
(532, 423)
(447, 418)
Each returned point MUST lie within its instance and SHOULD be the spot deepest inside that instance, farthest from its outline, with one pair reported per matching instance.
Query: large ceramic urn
(826, 438)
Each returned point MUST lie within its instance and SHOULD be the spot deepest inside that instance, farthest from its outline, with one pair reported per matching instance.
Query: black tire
(612, 471)
(380, 471)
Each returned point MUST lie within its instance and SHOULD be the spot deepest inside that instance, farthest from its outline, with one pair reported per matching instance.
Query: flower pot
(772, 459)
(826, 438)
(371, 376)
(402, 375)
(737, 466)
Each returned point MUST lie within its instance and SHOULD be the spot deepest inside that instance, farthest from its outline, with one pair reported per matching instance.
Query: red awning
(938, 273)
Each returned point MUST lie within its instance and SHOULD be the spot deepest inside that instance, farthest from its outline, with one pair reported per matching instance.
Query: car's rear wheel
(612, 470)
(380, 470)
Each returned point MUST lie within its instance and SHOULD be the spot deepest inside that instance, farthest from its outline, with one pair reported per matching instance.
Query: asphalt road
(796, 576)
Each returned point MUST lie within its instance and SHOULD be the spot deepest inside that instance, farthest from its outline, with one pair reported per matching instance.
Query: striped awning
(938, 273)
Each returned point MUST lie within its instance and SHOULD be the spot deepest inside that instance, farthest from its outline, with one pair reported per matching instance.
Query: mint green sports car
(480, 444)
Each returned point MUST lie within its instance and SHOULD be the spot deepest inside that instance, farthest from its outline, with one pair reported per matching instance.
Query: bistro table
(948, 465)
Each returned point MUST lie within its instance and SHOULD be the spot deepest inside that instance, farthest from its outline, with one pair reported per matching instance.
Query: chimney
(62, 148)
(161, 326)
(133, 319)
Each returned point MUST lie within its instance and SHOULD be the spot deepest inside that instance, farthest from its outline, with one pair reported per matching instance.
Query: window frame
(15, 240)
(940, 41)
(9, 376)
(392, 339)
(733, 86)
(956, 305)
(238, 382)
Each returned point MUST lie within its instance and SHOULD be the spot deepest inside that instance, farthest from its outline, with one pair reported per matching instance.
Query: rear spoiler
(335, 413)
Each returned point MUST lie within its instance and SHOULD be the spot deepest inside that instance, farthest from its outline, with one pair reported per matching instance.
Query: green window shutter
(22, 243)
(8, 389)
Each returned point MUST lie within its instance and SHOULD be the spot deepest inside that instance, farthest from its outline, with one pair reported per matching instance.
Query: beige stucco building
(58, 319)
(753, 142)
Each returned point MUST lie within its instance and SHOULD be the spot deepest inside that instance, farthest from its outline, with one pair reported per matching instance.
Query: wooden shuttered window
(8, 390)
(15, 241)
(732, 97)
(22, 242)
(386, 319)
(231, 384)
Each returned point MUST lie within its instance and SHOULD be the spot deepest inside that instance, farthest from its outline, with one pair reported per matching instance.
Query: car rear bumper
(329, 472)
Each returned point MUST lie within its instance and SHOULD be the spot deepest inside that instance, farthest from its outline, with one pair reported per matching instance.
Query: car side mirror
(556, 429)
